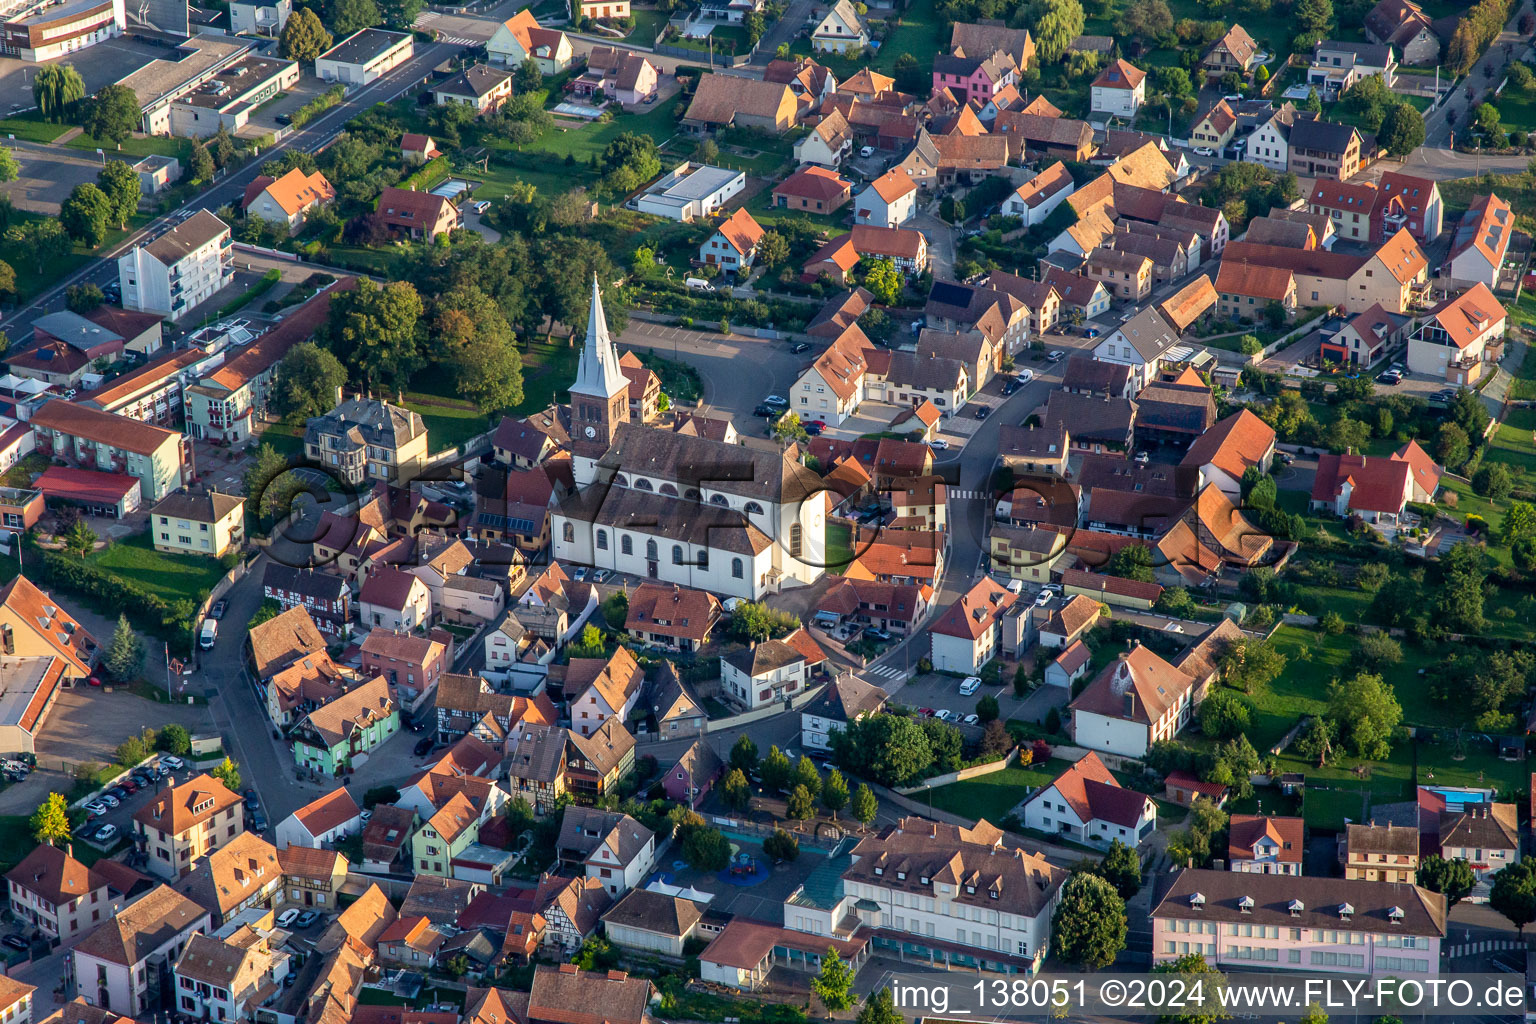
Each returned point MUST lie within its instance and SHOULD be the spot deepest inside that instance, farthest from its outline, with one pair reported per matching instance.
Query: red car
(925, 712)
(94, 680)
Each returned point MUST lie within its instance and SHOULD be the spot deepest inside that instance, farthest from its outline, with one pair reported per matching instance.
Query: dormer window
(971, 889)
(1395, 915)
(879, 871)
(992, 893)
(1346, 911)
(1197, 901)
(923, 878)
(1245, 904)
(901, 876)
(1296, 907)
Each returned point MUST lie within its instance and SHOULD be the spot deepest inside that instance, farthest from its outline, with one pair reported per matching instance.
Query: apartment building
(1381, 853)
(183, 824)
(122, 965)
(100, 441)
(208, 524)
(61, 897)
(182, 268)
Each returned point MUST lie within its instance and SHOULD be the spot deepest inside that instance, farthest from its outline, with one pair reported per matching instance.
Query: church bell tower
(599, 398)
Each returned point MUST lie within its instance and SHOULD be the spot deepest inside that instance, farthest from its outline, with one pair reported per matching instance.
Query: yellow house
(198, 524)
(1027, 553)
(183, 824)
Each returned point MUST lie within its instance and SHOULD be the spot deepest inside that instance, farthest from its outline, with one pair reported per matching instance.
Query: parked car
(218, 609)
(1284, 458)
(127, 785)
(1042, 599)
(173, 762)
(945, 715)
(971, 719)
(258, 821)
(1391, 378)
(866, 151)
(1204, 151)
(813, 428)
(800, 346)
(306, 919)
(983, 411)
(110, 800)
(765, 410)
(97, 808)
(95, 681)
(778, 400)
(1057, 355)
(1143, 458)
(939, 445)
(925, 712)
(580, 574)
(252, 799)
(1024, 376)
(1014, 586)
(875, 633)
(287, 917)
(424, 746)
(105, 834)
(1010, 386)
(970, 685)
(600, 575)
(17, 942)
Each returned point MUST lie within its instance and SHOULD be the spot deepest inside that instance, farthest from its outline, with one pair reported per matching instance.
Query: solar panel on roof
(950, 294)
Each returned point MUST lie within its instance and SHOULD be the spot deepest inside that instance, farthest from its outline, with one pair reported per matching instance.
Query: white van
(698, 284)
(209, 634)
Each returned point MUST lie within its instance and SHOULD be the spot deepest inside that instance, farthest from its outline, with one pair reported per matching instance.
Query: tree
(200, 163)
(591, 643)
(736, 791)
(308, 382)
(1519, 522)
(125, 654)
(1223, 715)
(86, 215)
(834, 985)
(1313, 16)
(753, 23)
(79, 539)
(173, 739)
(879, 1008)
(1132, 562)
(776, 771)
(1055, 23)
(1458, 601)
(744, 754)
(1453, 879)
(120, 184)
(374, 331)
(987, 709)
(477, 346)
(1210, 1009)
(10, 168)
(883, 281)
(1315, 1014)
(1121, 868)
(58, 90)
(1487, 117)
(82, 298)
(1250, 345)
(400, 14)
(782, 846)
(1452, 446)
(892, 750)
(1402, 130)
(806, 775)
(1514, 894)
(1367, 712)
(800, 806)
(788, 427)
(1492, 481)
(1089, 928)
(1251, 665)
(863, 805)
(50, 822)
(756, 621)
(704, 848)
(228, 773)
(113, 114)
(834, 793)
(303, 37)
(1315, 741)
(348, 16)
(772, 249)
(1313, 102)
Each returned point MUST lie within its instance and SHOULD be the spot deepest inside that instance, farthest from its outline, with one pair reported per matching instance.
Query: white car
(970, 685)
(939, 445)
(1043, 598)
(173, 762)
(1056, 356)
(105, 834)
(867, 151)
(287, 917)
(971, 719)
(97, 808)
(1024, 376)
(108, 799)
(775, 400)
(945, 715)
(1126, 316)
(1173, 627)
(1204, 151)
(1015, 586)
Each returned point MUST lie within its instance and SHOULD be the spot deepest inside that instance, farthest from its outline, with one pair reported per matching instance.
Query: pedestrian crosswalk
(458, 40)
(1485, 946)
(884, 672)
(961, 494)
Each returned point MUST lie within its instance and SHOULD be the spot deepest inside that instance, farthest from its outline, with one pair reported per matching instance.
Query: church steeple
(598, 373)
(600, 396)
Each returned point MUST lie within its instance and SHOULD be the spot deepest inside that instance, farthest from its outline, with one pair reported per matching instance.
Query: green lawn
(992, 796)
(1517, 109)
(547, 374)
(33, 131)
(648, 25)
(287, 438)
(136, 146)
(918, 30)
(839, 547)
(448, 425)
(173, 577)
(592, 139)
(1512, 444)
(765, 213)
(32, 275)
(723, 41)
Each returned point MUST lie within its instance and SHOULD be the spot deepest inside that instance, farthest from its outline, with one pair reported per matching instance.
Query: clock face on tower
(591, 431)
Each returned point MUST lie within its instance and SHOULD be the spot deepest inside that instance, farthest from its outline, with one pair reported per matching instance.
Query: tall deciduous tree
(121, 185)
(1366, 711)
(475, 345)
(374, 332)
(834, 984)
(863, 805)
(50, 822)
(879, 1008)
(86, 215)
(1055, 23)
(1207, 1011)
(228, 772)
(1402, 130)
(834, 792)
(1514, 894)
(1453, 879)
(308, 380)
(736, 791)
(1121, 868)
(303, 37)
(58, 90)
(200, 163)
(113, 114)
(776, 770)
(1089, 927)
(10, 167)
(348, 16)
(744, 755)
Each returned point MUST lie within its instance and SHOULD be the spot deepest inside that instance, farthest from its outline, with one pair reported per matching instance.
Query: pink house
(688, 781)
(1262, 922)
(971, 78)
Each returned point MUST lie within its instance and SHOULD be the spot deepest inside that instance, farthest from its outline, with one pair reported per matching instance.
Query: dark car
(877, 634)
(814, 429)
(1009, 387)
(252, 799)
(306, 919)
(983, 412)
(424, 746)
(765, 410)
(143, 780)
(258, 821)
(218, 610)
(16, 942)
(803, 346)
(119, 792)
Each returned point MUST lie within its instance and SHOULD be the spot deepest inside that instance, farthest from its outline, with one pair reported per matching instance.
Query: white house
(1119, 91)
(889, 201)
(768, 671)
(608, 689)
(259, 17)
(828, 142)
(221, 979)
(1135, 701)
(1264, 845)
(969, 633)
(391, 598)
(1086, 804)
(1069, 666)
(178, 270)
(1229, 449)
(610, 847)
(520, 37)
(1033, 201)
(847, 699)
(1451, 343)
(733, 246)
(1140, 343)
(689, 191)
(287, 200)
(364, 56)
(321, 821)
(842, 30)
(1481, 241)
(112, 963)
(833, 387)
(1270, 143)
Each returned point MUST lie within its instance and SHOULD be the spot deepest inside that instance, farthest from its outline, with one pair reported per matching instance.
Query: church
(733, 520)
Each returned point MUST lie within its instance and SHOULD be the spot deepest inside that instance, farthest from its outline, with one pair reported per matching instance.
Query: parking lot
(48, 175)
(120, 817)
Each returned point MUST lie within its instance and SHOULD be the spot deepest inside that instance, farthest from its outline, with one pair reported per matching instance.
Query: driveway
(1485, 75)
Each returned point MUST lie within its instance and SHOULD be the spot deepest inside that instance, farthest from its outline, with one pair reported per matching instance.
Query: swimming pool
(1456, 799)
(452, 188)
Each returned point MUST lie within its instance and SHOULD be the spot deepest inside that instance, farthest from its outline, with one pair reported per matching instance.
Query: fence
(973, 772)
(274, 254)
(748, 717)
(668, 50)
